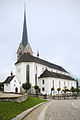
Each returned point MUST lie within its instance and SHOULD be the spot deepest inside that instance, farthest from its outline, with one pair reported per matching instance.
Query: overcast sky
(53, 28)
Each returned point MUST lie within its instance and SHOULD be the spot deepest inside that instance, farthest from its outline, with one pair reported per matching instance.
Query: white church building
(37, 71)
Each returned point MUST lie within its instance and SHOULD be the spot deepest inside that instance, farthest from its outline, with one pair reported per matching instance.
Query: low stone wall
(14, 99)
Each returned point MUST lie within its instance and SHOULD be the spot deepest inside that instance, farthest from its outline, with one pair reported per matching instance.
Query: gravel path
(56, 110)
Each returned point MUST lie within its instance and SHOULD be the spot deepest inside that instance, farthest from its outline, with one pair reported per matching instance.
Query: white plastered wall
(49, 84)
(10, 87)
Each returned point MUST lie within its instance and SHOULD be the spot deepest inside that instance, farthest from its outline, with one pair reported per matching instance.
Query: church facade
(38, 71)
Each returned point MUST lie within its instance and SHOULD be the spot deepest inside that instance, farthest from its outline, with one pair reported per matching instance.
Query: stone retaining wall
(14, 99)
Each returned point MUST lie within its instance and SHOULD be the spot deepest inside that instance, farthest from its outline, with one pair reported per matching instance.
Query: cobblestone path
(56, 110)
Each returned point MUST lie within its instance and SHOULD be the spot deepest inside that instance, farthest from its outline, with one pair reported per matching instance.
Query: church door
(16, 90)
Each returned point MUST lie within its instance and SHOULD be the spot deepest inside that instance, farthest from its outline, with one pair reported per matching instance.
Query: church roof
(26, 57)
(47, 73)
(9, 78)
(24, 36)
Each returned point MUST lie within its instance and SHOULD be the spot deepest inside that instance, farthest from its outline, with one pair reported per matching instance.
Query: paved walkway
(56, 110)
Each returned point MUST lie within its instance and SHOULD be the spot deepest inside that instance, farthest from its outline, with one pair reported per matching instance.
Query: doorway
(16, 90)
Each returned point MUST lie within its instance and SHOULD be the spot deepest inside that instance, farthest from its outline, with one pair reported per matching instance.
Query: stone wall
(14, 99)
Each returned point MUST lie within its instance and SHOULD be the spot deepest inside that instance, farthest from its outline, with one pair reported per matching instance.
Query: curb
(26, 112)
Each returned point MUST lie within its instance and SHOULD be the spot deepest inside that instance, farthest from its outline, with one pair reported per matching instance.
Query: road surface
(56, 110)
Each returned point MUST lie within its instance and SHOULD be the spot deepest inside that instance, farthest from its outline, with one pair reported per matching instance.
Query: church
(36, 71)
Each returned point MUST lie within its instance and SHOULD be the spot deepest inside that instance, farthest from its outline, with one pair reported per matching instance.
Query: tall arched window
(59, 84)
(27, 73)
(36, 75)
(68, 85)
(53, 83)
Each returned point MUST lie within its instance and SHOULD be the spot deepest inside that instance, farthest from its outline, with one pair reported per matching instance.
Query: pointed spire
(24, 36)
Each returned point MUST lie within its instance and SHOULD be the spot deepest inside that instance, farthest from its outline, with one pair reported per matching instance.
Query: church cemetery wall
(14, 99)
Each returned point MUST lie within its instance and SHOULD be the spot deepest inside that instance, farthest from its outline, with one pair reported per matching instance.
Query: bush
(72, 89)
(26, 86)
(77, 90)
(66, 90)
(58, 89)
(36, 87)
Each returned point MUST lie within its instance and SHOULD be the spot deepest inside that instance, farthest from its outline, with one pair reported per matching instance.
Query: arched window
(59, 84)
(43, 89)
(53, 83)
(43, 82)
(27, 73)
(68, 85)
(35, 75)
(64, 83)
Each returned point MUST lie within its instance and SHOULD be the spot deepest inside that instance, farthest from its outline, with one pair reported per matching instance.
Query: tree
(58, 89)
(66, 90)
(77, 90)
(1, 86)
(36, 87)
(72, 89)
(26, 86)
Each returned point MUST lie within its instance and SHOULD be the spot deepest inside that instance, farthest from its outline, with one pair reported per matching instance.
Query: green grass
(9, 110)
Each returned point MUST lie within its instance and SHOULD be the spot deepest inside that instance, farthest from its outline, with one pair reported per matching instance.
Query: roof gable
(26, 57)
(9, 79)
(47, 73)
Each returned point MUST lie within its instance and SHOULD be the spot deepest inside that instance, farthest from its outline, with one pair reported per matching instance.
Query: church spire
(24, 46)
(24, 35)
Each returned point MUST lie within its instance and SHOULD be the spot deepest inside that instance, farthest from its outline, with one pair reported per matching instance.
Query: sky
(53, 28)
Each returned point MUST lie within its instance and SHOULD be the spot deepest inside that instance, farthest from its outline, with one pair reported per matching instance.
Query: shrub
(36, 87)
(72, 89)
(77, 90)
(58, 89)
(26, 86)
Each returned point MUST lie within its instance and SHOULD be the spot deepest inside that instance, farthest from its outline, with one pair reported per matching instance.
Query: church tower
(24, 46)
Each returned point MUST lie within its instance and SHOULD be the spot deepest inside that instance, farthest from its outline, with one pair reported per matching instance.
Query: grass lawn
(9, 110)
